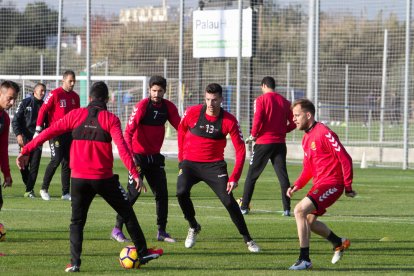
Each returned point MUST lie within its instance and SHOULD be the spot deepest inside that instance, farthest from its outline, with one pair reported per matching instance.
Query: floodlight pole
(316, 62)
(383, 89)
(311, 51)
(239, 60)
(59, 42)
(180, 60)
(88, 47)
(406, 83)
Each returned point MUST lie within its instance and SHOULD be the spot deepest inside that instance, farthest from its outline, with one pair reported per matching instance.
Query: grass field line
(329, 217)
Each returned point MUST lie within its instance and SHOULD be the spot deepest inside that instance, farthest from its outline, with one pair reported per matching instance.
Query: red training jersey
(201, 149)
(148, 139)
(58, 103)
(325, 159)
(4, 144)
(89, 159)
(272, 119)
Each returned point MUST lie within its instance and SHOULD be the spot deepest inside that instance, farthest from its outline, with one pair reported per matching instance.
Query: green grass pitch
(379, 222)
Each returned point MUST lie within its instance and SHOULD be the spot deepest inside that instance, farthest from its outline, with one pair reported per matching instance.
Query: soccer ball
(128, 258)
(240, 201)
(2, 232)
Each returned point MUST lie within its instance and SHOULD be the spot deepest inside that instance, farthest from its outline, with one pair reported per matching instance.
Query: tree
(9, 26)
(38, 22)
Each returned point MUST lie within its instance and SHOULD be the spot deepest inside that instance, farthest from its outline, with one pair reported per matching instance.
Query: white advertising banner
(215, 33)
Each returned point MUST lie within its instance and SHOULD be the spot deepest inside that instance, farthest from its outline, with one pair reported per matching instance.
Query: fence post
(406, 83)
(383, 88)
(346, 103)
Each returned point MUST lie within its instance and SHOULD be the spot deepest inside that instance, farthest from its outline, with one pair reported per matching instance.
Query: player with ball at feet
(329, 164)
(201, 140)
(93, 128)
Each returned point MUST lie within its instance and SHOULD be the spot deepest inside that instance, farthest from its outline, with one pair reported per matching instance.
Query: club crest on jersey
(315, 192)
(313, 146)
(57, 144)
(62, 103)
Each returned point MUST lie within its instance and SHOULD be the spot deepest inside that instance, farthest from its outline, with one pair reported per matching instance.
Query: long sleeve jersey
(146, 138)
(24, 120)
(89, 159)
(56, 105)
(201, 149)
(4, 143)
(272, 119)
(325, 159)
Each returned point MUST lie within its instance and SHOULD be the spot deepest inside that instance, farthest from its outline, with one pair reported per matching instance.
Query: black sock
(247, 238)
(304, 254)
(334, 239)
(193, 224)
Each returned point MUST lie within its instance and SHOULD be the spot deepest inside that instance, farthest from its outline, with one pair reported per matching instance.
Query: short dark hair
(99, 91)
(67, 73)
(158, 80)
(269, 82)
(10, 84)
(306, 105)
(214, 88)
(39, 84)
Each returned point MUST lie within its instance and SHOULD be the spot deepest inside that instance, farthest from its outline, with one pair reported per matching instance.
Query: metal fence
(348, 56)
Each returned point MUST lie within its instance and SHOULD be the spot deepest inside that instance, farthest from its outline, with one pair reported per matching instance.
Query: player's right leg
(132, 195)
(114, 194)
(66, 141)
(215, 175)
(157, 180)
(279, 165)
(55, 159)
(82, 196)
(34, 164)
(258, 162)
(304, 208)
(187, 177)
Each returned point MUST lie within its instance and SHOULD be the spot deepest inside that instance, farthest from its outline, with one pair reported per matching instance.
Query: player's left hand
(290, 191)
(22, 161)
(7, 182)
(140, 186)
(231, 186)
(250, 139)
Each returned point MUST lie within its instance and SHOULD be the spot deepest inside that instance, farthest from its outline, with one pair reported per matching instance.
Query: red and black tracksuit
(24, 123)
(93, 128)
(4, 148)
(58, 103)
(272, 119)
(144, 135)
(201, 143)
(327, 162)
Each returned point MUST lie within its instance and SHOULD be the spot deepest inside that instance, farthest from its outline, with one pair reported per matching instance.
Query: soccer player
(24, 125)
(144, 135)
(93, 129)
(201, 141)
(8, 96)
(58, 103)
(328, 163)
(272, 120)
